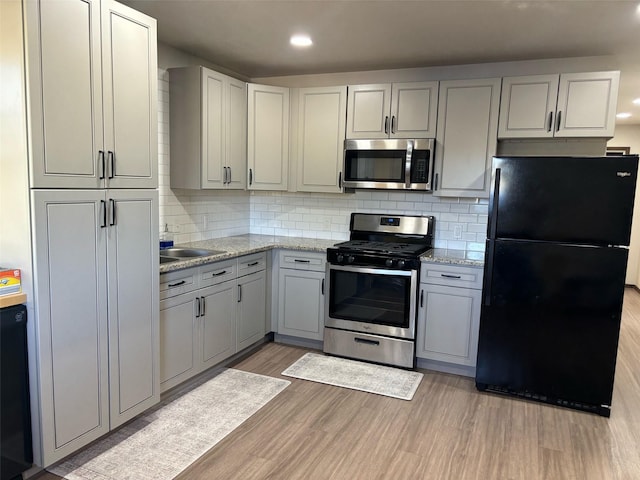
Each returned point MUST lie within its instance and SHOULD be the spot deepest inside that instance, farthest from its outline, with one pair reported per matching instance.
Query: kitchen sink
(179, 252)
(168, 259)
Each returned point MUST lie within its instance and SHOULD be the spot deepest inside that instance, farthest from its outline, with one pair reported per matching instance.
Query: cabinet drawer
(218, 272)
(252, 263)
(303, 260)
(175, 283)
(455, 276)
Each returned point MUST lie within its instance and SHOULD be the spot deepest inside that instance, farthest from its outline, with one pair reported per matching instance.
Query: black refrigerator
(554, 275)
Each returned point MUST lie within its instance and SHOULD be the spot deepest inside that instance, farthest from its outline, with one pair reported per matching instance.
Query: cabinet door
(466, 137)
(130, 71)
(65, 79)
(527, 106)
(414, 107)
(252, 309)
(587, 104)
(217, 317)
(213, 129)
(236, 134)
(448, 324)
(368, 111)
(301, 303)
(268, 137)
(178, 335)
(132, 243)
(321, 134)
(70, 269)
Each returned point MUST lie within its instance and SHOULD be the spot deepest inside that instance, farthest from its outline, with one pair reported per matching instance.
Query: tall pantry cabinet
(91, 73)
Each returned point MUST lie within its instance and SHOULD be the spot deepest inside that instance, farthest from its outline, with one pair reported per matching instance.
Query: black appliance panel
(420, 166)
(550, 319)
(375, 165)
(561, 199)
(367, 297)
(556, 275)
(16, 453)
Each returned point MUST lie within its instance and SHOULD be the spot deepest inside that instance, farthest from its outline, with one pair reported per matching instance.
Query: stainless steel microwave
(399, 164)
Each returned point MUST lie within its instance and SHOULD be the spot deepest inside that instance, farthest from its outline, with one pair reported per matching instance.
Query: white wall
(629, 136)
(15, 231)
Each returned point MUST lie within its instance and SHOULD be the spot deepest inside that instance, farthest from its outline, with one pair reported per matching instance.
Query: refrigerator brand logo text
(624, 174)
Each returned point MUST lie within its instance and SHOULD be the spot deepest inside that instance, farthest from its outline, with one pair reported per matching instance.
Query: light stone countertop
(240, 245)
(454, 257)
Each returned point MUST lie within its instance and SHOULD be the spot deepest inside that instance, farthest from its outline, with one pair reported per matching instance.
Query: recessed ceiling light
(636, 101)
(301, 41)
(623, 115)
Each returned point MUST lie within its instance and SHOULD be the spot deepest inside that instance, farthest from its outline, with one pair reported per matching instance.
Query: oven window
(370, 298)
(375, 165)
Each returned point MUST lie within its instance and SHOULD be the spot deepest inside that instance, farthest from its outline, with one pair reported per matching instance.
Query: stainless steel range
(372, 284)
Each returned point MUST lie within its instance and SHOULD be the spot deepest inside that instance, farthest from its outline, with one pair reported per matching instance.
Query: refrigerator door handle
(488, 275)
(493, 224)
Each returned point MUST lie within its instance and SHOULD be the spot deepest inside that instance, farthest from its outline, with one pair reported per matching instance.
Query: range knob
(340, 258)
(351, 259)
(401, 263)
(389, 262)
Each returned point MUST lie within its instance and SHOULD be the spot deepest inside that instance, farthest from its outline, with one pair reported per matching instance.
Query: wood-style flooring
(448, 431)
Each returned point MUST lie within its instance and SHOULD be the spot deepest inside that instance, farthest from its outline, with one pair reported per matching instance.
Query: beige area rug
(368, 377)
(162, 443)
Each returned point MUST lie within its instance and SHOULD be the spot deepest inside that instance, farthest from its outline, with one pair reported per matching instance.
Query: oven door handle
(372, 270)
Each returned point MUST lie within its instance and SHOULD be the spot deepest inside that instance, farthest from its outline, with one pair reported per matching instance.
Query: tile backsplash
(192, 215)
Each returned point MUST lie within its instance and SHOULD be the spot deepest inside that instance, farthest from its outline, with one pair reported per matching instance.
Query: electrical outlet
(457, 232)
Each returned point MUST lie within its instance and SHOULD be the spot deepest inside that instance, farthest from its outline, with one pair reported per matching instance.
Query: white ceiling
(251, 37)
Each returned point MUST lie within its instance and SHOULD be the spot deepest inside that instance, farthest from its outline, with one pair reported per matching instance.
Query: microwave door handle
(407, 165)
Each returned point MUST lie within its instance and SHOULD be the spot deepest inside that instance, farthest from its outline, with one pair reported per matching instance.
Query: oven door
(371, 300)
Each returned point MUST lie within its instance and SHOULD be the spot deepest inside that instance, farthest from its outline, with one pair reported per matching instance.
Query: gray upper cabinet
(268, 137)
(566, 105)
(208, 129)
(466, 139)
(92, 80)
(398, 110)
(321, 133)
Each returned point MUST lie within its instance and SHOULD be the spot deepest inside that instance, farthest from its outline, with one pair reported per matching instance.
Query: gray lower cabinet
(217, 313)
(209, 313)
(252, 291)
(301, 294)
(449, 313)
(177, 334)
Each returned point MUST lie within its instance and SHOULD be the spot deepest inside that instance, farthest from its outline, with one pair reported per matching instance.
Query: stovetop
(386, 248)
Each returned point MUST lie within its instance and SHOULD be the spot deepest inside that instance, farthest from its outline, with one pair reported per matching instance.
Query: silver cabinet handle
(450, 276)
(230, 176)
(202, 306)
(297, 260)
(421, 298)
(224, 176)
(215, 274)
(239, 293)
(197, 306)
(550, 124)
(250, 176)
(340, 180)
(177, 284)
(435, 183)
(558, 121)
(386, 124)
(322, 287)
(252, 264)
(393, 121)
